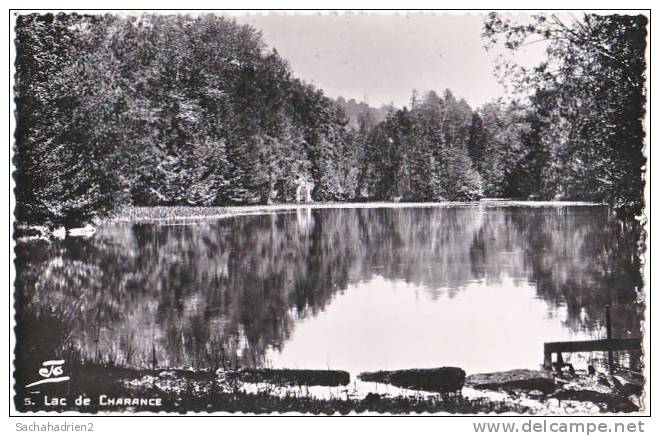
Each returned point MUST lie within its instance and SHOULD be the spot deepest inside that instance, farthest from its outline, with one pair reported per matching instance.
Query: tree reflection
(218, 293)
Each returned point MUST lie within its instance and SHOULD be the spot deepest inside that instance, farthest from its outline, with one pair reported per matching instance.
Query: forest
(157, 110)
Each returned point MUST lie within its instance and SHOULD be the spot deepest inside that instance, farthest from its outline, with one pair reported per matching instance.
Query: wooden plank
(594, 345)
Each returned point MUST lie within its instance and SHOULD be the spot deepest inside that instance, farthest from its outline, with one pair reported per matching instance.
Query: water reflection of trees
(192, 295)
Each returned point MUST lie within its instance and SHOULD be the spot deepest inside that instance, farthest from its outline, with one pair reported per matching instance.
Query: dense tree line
(164, 110)
(421, 154)
(586, 136)
(175, 110)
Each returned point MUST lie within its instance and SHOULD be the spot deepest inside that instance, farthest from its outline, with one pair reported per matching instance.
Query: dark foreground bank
(107, 389)
(101, 389)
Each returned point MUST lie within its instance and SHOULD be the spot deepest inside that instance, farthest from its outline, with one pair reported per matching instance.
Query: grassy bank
(181, 391)
(112, 389)
(164, 213)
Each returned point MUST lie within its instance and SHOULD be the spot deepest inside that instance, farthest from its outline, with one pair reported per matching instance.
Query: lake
(477, 286)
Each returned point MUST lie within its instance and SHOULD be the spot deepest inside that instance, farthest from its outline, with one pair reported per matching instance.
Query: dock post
(608, 327)
(547, 358)
(560, 361)
(154, 361)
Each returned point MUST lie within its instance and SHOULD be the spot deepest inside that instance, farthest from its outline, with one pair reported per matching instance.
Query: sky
(380, 58)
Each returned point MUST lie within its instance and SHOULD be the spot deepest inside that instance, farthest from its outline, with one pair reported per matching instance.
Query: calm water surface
(480, 287)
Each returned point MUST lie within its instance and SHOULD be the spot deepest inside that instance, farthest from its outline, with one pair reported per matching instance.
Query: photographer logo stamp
(51, 371)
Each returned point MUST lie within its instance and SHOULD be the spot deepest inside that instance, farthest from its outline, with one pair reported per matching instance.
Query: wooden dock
(608, 345)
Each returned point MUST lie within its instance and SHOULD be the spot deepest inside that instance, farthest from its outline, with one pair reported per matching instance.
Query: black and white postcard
(330, 213)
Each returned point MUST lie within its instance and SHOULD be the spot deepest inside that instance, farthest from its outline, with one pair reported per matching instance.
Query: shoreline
(112, 389)
(186, 213)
